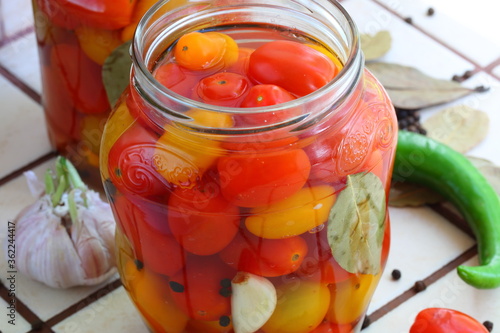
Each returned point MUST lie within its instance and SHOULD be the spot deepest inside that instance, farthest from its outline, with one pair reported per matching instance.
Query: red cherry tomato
(253, 179)
(178, 79)
(202, 222)
(223, 89)
(104, 14)
(293, 66)
(131, 164)
(82, 78)
(441, 320)
(202, 288)
(327, 327)
(264, 257)
(266, 95)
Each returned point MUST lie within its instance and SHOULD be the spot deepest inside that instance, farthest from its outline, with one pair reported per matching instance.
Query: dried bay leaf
(375, 46)
(116, 72)
(460, 127)
(355, 226)
(411, 89)
(412, 195)
(489, 170)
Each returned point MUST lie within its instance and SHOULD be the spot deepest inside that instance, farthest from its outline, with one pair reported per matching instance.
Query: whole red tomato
(203, 222)
(104, 14)
(131, 164)
(441, 320)
(265, 257)
(293, 66)
(258, 179)
(203, 288)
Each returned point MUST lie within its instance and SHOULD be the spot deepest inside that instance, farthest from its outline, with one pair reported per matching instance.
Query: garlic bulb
(65, 238)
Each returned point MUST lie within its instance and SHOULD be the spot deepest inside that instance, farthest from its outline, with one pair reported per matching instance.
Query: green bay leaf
(356, 224)
(409, 88)
(375, 46)
(116, 72)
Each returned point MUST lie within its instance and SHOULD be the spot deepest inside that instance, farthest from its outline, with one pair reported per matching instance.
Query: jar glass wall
(260, 219)
(74, 40)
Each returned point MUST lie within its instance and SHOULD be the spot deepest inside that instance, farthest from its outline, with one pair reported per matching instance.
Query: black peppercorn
(396, 274)
(224, 321)
(176, 287)
(430, 11)
(489, 325)
(419, 286)
(138, 264)
(408, 20)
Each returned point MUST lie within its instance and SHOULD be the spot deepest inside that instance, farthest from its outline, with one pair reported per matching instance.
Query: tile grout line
(16, 173)
(18, 34)
(21, 85)
(83, 303)
(22, 309)
(429, 280)
(487, 69)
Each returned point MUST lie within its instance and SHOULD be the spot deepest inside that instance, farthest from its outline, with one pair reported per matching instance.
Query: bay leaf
(375, 46)
(409, 88)
(116, 72)
(356, 221)
(489, 170)
(412, 195)
(460, 127)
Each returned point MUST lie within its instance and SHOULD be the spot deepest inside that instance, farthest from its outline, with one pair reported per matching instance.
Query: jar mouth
(154, 26)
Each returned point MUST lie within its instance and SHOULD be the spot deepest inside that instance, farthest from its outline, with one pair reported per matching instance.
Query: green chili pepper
(425, 161)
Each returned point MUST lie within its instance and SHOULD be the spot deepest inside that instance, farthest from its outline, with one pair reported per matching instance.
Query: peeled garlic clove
(253, 302)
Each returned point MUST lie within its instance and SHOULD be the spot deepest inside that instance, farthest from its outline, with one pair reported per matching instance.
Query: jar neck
(322, 21)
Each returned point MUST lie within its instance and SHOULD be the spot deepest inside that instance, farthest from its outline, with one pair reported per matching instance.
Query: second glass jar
(263, 219)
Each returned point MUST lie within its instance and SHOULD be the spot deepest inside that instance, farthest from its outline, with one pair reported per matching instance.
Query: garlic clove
(253, 302)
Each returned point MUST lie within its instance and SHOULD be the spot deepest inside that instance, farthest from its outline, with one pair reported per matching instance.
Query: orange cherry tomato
(202, 288)
(152, 296)
(104, 14)
(291, 65)
(223, 89)
(265, 257)
(199, 51)
(441, 320)
(82, 78)
(231, 53)
(253, 179)
(203, 222)
(97, 43)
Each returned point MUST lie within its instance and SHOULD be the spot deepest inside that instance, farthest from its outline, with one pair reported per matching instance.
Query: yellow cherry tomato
(182, 156)
(96, 43)
(301, 212)
(231, 52)
(350, 298)
(151, 295)
(198, 51)
(119, 120)
(223, 325)
(301, 307)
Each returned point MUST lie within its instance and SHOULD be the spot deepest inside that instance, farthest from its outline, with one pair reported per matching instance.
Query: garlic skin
(68, 244)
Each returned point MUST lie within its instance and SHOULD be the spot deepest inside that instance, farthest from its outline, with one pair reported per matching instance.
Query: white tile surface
(422, 242)
(17, 55)
(16, 15)
(23, 136)
(448, 292)
(44, 301)
(410, 47)
(471, 28)
(112, 313)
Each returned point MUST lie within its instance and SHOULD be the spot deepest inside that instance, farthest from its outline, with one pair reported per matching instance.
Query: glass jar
(75, 37)
(263, 219)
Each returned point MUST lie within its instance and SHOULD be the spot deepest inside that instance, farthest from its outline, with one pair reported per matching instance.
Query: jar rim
(353, 64)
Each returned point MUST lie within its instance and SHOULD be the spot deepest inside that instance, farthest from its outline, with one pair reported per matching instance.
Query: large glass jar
(265, 219)
(75, 37)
